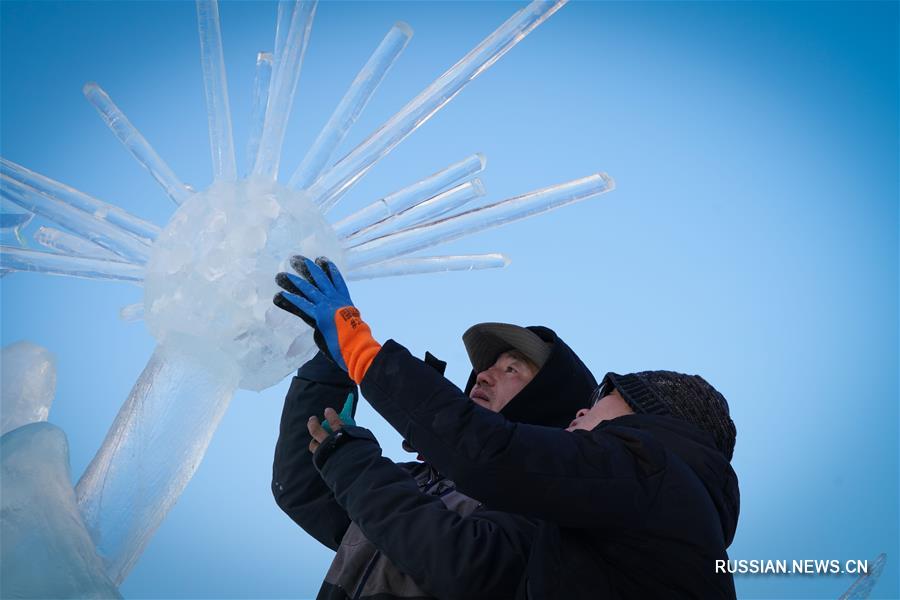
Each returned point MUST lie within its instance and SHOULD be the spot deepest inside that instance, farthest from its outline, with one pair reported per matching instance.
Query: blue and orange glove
(320, 297)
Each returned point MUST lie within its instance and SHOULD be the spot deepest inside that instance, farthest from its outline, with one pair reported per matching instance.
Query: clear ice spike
(135, 143)
(351, 106)
(84, 224)
(151, 451)
(335, 182)
(282, 27)
(424, 212)
(429, 264)
(63, 193)
(132, 312)
(215, 83)
(264, 65)
(15, 220)
(409, 196)
(477, 219)
(862, 587)
(22, 259)
(12, 216)
(12, 221)
(66, 243)
(282, 88)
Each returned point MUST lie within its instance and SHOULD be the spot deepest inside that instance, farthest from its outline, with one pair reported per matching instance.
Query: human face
(498, 384)
(610, 406)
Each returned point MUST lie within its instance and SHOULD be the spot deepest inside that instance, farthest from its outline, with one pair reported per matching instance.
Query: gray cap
(486, 341)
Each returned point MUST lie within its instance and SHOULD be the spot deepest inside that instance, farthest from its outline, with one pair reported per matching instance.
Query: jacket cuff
(390, 372)
(337, 439)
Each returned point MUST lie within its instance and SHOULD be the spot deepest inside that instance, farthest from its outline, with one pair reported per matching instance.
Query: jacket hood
(561, 388)
(698, 450)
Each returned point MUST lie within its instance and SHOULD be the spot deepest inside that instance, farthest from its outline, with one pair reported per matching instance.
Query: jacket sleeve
(606, 477)
(296, 485)
(482, 555)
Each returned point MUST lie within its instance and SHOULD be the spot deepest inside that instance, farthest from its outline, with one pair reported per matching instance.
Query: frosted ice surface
(210, 280)
(45, 550)
(28, 384)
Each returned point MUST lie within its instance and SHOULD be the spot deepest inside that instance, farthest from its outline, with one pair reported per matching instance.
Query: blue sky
(752, 238)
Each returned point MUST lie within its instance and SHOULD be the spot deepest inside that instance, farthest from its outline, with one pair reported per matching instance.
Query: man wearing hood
(403, 530)
(636, 499)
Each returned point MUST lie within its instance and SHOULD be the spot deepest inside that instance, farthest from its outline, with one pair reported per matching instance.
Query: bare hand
(316, 430)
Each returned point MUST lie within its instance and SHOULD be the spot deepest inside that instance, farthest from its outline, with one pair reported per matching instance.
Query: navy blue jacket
(640, 507)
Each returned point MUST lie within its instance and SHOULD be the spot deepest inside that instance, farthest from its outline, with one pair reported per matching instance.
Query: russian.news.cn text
(793, 567)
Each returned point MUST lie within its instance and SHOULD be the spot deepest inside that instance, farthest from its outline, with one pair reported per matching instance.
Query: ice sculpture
(46, 550)
(208, 274)
(28, 384)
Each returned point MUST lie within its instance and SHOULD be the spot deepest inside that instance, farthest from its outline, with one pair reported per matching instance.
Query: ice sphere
(213, 290)
(45, 550)
(28, 386)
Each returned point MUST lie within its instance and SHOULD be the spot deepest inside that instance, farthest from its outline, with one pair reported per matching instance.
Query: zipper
(366, 574)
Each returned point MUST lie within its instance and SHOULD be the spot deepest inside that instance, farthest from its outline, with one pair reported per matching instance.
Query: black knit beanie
(687, 397)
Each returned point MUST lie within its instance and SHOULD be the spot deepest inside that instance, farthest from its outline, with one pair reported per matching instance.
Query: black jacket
(431, 540)
(640, 507)
(400, 530)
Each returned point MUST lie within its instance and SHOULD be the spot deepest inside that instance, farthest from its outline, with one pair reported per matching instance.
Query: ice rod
(411, 195)
(351, 105)
(135, 143)
(69, 195)
(84, 224)
(477, 219)
(429, 264)
(282, 88)
(335, 182)
(264, 66)
(284, 14)
(132, 312)
(66, 243)
(22, 259)
(424, 212)
(215, 84)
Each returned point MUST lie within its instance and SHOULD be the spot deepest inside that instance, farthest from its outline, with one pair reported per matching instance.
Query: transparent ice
(12, 220)
(28, 384)
(46, 550)
(865, 583)
(207, 275)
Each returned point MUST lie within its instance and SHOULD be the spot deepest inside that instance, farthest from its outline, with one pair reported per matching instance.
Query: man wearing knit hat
(402, 530)
(636, 500)
(687, 397)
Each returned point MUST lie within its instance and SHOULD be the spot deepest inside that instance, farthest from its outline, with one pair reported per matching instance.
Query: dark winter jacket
(437, 538)
(640, 507)
(415, 537)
